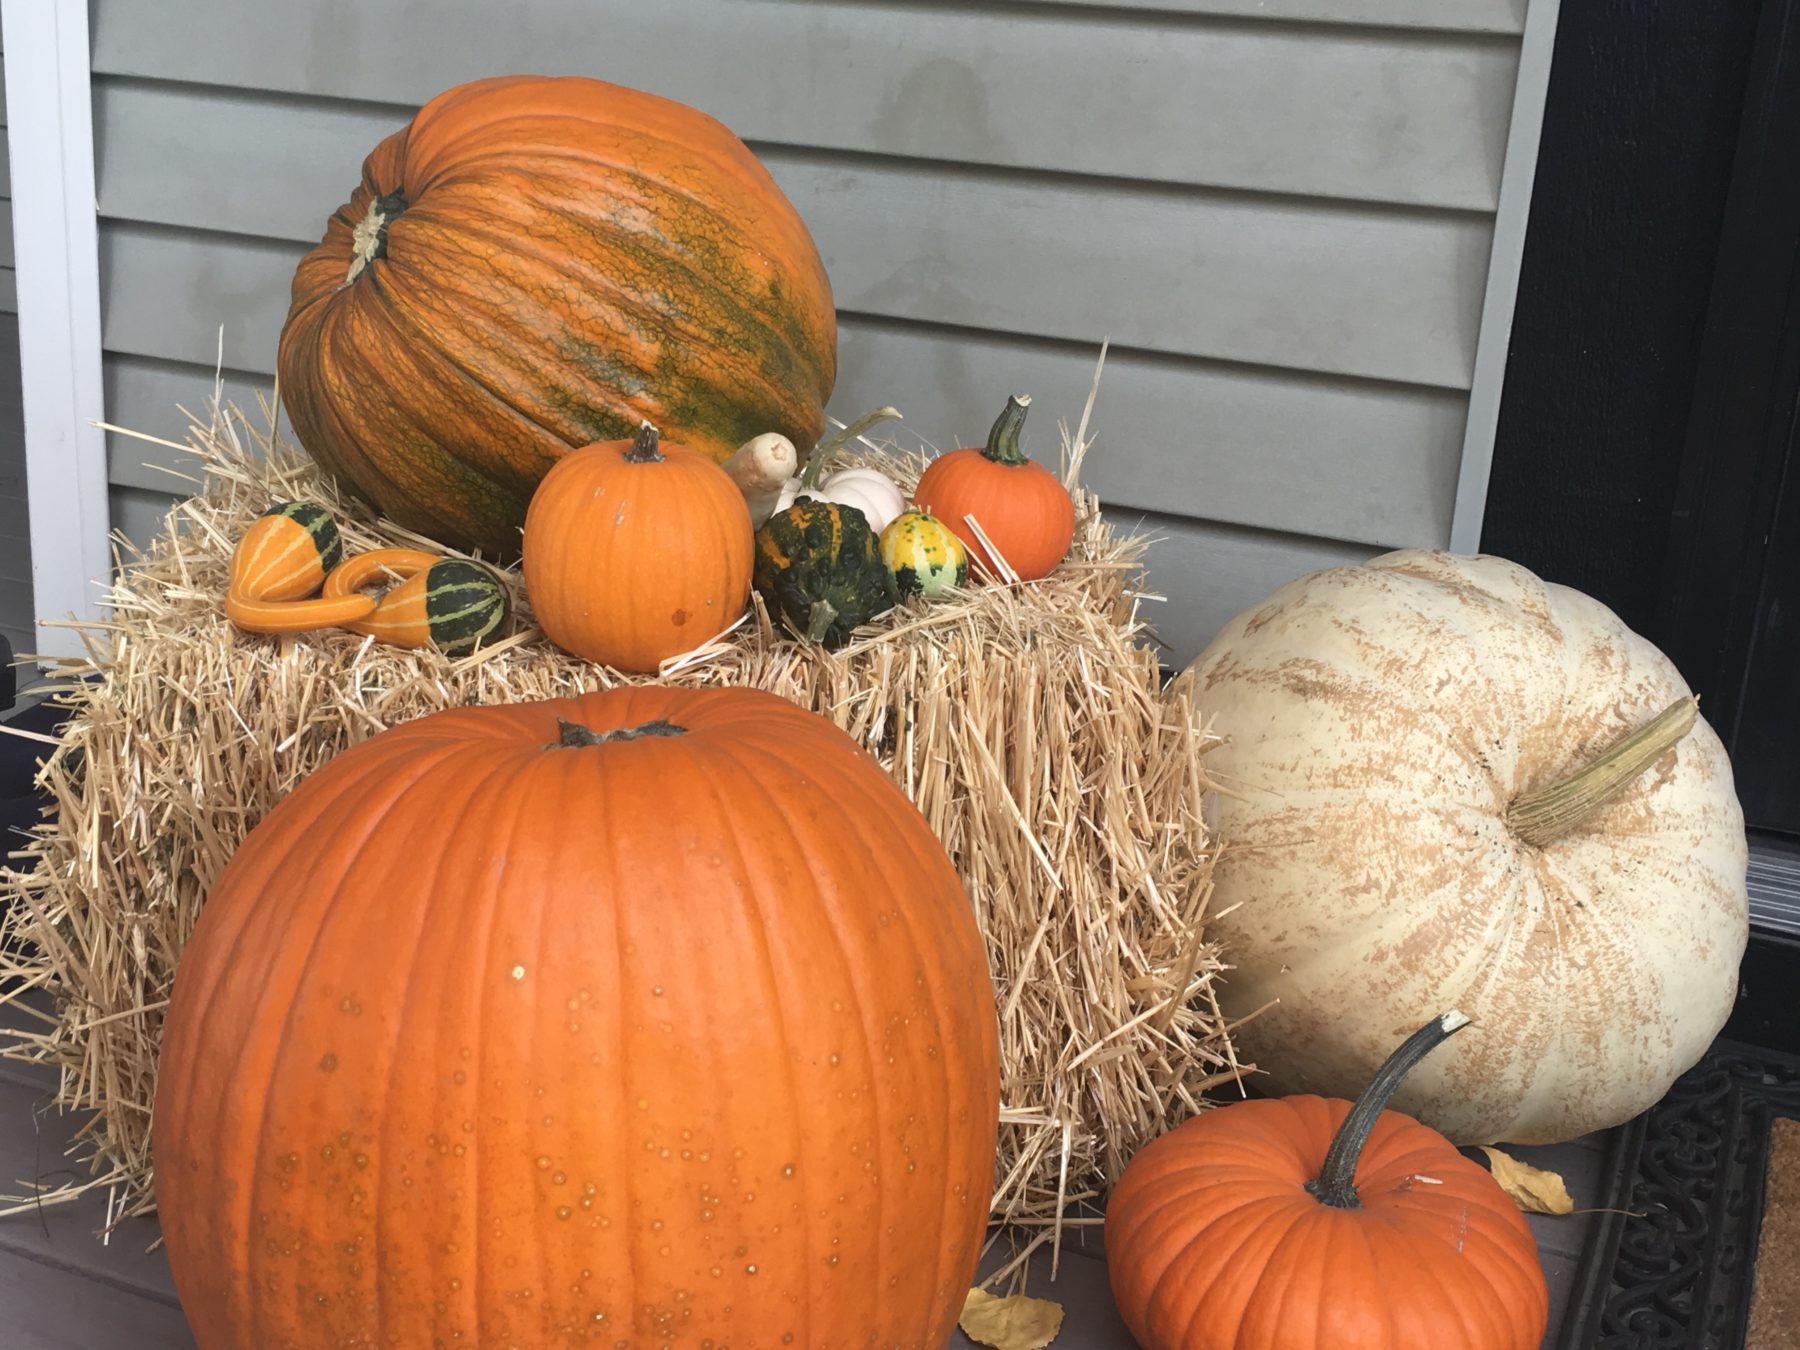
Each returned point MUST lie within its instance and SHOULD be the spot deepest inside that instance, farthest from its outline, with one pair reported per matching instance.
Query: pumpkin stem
(1545, 816)
(645, 446)
(1336, 1182)
(1003, 440)
(369, 240)
(574, 736)
(819, 619)
(825, 449)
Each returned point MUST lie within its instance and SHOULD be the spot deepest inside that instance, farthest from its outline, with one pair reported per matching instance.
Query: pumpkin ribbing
(637, 551)
(631, 1026)
(1391, 722)
(1306, 1223)
(536, 264)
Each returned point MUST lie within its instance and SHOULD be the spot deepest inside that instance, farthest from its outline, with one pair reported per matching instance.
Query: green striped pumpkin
(819, 567)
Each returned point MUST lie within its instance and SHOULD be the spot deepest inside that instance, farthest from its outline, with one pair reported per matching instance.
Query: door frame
(50, 134)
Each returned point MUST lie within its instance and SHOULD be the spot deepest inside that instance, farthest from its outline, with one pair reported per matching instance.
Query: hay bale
(1027, 722)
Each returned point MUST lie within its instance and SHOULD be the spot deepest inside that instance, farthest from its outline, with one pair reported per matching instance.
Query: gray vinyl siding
(1279, 212)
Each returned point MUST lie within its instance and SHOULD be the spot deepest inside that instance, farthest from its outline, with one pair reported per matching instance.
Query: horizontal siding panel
(9, 291)
(1339, 290)
(167, 294)
(6, 237)
(1468, 16)
(1208, 574)
(164, 399)
(140, 514)
(1376, 462)
(1264, 107)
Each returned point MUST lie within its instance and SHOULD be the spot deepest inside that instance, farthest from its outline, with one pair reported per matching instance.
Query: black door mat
(1674, 1270)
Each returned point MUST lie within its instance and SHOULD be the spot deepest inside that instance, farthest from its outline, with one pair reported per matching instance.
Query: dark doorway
(1732, 577)
(1646, 440)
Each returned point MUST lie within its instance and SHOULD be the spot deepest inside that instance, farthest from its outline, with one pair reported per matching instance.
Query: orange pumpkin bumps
(576, 1023)
(536, 264)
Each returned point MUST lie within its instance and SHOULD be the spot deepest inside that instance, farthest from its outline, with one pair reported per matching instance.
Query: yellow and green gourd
(277, 568)
(923, 555)
(451, 604)
(818, 565)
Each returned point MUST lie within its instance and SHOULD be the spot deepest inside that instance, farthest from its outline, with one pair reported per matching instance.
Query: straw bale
(1029, 724)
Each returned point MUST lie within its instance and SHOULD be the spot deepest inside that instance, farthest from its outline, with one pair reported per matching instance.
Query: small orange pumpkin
(1022, 508)
(636, 551)
(1308, 1222)
(279, 562)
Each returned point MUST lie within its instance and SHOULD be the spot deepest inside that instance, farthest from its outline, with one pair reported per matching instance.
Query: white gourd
(869, 490)
(1423, 815)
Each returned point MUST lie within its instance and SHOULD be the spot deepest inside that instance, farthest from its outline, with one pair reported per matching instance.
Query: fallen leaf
(1535, 1191)
(1015, 1323)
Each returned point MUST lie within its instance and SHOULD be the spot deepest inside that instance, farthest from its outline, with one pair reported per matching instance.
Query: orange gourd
(279, 563)
(1022, 508)
(582, 1022)
(1307, 1223)
(450, 604)
(534, 264)
(636, 551)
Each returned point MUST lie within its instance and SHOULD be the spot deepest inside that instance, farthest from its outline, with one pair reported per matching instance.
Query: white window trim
(1517, 173)
(49, 115)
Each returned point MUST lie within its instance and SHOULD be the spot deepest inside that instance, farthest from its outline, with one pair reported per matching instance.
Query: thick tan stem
(1548, 815)
(368, 241)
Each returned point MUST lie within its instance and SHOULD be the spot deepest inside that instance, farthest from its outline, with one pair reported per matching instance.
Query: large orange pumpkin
(1309, 1223)
(536, 264)
(636, 551)
(653, 1017)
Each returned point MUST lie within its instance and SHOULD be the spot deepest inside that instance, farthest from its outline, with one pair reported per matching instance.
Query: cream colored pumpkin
(1381, 721)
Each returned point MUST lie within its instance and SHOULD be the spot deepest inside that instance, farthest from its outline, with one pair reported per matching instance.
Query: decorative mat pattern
(1674, 1272)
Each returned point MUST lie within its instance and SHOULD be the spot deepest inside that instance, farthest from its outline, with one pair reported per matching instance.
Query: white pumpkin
(869, 490)
(1387, 846)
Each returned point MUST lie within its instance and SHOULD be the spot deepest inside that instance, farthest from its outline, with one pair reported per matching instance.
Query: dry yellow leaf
(1015, 1323)
(1534, 1190)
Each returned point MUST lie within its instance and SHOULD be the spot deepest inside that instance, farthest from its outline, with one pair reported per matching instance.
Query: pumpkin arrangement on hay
(694, 918)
